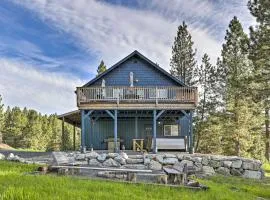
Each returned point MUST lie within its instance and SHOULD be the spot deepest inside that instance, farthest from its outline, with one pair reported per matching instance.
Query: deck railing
(86, 95)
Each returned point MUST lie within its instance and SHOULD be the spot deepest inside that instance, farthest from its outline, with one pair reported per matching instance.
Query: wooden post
(154, 131)
(63, 133)
(191, 132)
(82, 131)
(136, 127)
(74, 137)
(115, 131)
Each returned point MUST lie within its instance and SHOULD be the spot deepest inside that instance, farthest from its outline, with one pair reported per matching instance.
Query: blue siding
(145, 73)
(103, 128)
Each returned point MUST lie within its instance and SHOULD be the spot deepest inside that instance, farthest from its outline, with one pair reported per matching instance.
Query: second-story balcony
(136, 97)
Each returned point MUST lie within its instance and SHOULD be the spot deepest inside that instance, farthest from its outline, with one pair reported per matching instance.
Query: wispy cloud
(23, 85)
(111, 31)
(101, 29)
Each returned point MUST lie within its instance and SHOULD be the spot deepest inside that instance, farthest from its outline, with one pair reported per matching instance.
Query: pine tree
(101, 68)
(183, 56)
(259, 54)
(240, 110)
(206, 77)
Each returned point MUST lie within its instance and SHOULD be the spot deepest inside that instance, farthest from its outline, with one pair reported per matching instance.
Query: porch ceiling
(74, 117)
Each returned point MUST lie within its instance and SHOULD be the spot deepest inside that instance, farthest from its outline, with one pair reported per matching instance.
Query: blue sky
(49, 47)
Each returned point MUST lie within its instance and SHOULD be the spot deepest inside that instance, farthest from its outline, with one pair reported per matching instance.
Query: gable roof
(143, 58)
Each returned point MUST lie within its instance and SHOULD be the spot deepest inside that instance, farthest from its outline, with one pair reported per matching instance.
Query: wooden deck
(132, 98)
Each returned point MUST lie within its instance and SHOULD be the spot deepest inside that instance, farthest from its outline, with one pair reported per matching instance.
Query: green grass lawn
(15, 184)
(266, 167)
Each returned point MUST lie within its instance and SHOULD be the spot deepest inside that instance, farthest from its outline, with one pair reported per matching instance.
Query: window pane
(171, 130)
(167, 130)
(174, 130)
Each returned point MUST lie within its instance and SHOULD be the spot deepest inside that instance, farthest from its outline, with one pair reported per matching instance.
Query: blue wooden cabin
(135, 99)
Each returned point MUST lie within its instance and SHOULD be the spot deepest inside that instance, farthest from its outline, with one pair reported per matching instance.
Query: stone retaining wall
(205, 165)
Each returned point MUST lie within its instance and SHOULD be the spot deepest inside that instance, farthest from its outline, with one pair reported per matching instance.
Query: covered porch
(120, 127)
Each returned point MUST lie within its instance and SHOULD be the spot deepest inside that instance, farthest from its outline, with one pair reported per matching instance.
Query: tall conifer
(259, 54)
(183, 56)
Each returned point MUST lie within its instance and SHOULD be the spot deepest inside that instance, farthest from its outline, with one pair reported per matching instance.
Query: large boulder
(91, 155)
(80, 156)
(154, 165)
(146, 161)
(198, 166)
(170, 155)
(112, 155)
(180, 156)
(236, 164)
(134, 166)
(197, 159)
(102, 157)
(134, 161)
(223, 170)
(94, 162)
(236, 172)
(205, 160)
(10, 156)
(251, 165)
(136, 156)
(160, 158)
(180, 165)
(215, 163)
(252, 174)
(2, 156)
(207, 170)
(124, 155)
(187, 157)
(120, 159)
(227, 163)
(111, 163)
(169, 161)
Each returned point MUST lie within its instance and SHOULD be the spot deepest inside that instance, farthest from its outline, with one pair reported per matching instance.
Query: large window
(171, 130)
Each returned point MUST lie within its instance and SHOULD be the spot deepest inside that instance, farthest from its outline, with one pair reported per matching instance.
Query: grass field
(15, 184)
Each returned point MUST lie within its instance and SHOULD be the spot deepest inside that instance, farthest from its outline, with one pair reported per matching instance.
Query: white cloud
(23, 85)
(112, 32)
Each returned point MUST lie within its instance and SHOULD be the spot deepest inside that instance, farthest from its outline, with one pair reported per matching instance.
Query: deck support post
(136, 127)
(191, 150)
(63, 133)
(82, 131)
(155, 118)
(84, 115)
(115, 131)
(74, 137)
(114, 116)
(154, 131)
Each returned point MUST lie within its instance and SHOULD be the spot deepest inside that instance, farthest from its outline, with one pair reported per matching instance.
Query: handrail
(160, 94)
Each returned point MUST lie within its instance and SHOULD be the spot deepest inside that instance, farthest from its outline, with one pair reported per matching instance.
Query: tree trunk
(267, 131)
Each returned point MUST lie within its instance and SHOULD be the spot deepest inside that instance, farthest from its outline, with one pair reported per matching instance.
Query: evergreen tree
(101, 68)
(239, 107)
(259, 54)
(206, 77)
(183, 56)
(33, 130)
